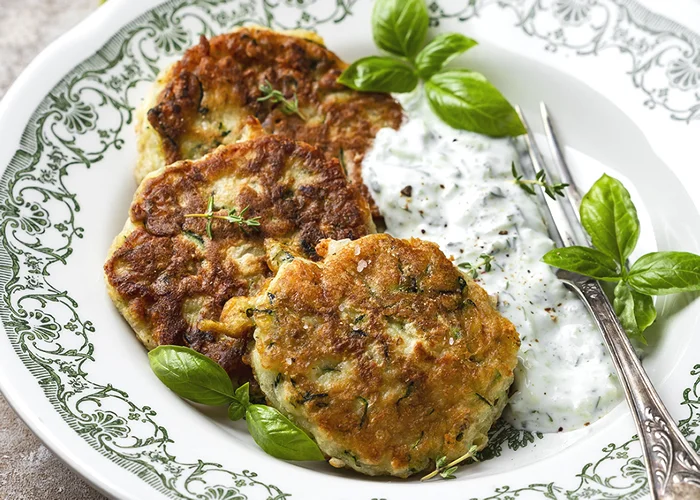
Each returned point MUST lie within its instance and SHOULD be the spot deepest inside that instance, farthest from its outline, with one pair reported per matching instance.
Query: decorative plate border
(665, 55)
(69, 128)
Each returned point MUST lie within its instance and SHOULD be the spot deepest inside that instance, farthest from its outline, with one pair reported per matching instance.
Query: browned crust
(157, 269)
(408, 334)
(156, 274)
(225, 73)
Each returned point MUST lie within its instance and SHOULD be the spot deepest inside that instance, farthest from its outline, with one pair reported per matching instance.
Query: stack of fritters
(378, 347)
(170, 279)
(166, 276)
(203, 100)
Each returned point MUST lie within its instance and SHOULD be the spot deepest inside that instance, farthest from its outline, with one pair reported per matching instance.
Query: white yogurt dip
(456, 188)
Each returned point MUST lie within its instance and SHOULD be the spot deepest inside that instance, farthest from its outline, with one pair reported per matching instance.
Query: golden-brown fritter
(384, 353)
(171, 280)
(201, 101)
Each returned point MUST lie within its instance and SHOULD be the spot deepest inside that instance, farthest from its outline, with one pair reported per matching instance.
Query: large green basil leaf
(191, 375)
(379, 74)
(610, 218)
(441, 50)
(663, 273)
(278, 436)
(584, 260)
(636, 311)
(466, 100)
(400, 26)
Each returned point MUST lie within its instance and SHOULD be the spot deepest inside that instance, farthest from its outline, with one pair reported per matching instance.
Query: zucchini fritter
(384, 353)
(170, 279)
(200, 102)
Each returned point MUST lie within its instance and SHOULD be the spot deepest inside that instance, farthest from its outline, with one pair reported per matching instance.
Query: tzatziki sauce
(456, 188)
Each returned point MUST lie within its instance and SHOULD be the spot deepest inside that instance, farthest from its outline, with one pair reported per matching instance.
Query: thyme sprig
(446, 470)
(289, 107)
(552, 190)
(484, 261)
(232, 216)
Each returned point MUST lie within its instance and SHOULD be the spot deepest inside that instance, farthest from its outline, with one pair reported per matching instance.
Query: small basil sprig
(610, 218)
(462, 99)
(194, 376)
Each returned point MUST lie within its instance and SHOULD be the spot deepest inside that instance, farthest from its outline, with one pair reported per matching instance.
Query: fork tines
(561, 218)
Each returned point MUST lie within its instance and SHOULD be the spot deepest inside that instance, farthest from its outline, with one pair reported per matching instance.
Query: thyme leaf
(484, 262)
(449, 473)
(446, 470)
(288, 106)
(551, 190)
(232, 216)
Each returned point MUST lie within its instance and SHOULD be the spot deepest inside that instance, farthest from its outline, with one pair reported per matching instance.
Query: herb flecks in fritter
(287, 81)
(179, 280)
(409, 342)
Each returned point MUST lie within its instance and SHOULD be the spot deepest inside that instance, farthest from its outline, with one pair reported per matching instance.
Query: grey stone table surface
(28, 470)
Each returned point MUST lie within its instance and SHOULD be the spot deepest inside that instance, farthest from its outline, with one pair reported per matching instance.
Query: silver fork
(673, 468)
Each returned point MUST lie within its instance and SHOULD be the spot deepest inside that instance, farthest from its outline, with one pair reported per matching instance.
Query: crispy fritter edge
(151, 155)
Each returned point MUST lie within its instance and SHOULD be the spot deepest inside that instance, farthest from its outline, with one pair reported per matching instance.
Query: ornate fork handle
(673, 466)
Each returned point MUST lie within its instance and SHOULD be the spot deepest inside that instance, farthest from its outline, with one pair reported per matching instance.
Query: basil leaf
(583, 260)
(191, 375)
(636, 311)
(400, 26)
(466, 100)
(441, 50)
(278, 436)
(610, 218)
(379, 74)
(663, 273)
(241, 401)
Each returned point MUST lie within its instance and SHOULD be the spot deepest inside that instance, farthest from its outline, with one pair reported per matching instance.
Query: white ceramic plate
(624, 85)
